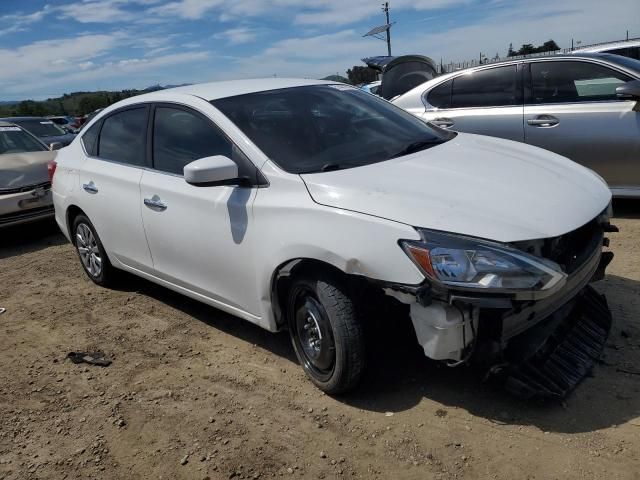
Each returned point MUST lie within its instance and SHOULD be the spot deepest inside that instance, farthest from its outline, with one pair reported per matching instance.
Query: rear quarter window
(440, 97)
(90, 139)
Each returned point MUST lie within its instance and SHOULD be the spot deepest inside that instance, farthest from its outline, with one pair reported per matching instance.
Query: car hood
(24, 169)
(473, 185)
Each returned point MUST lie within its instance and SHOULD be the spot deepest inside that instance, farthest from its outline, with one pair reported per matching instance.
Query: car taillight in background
(51, 169)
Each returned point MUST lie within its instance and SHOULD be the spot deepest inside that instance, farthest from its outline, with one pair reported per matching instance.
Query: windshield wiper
(416, 147)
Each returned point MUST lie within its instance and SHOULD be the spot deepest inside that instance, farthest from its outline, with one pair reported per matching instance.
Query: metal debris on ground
(92, 358)
(2, 310)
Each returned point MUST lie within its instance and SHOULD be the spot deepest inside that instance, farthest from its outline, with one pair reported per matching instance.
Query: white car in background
(297, 204)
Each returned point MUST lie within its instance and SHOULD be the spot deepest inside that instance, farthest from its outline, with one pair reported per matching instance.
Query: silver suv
(585, 107)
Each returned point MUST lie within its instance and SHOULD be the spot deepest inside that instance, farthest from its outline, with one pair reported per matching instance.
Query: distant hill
(336, 78)
(75, 103)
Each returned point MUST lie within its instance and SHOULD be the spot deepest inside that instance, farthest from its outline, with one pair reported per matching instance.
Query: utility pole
(385, 9)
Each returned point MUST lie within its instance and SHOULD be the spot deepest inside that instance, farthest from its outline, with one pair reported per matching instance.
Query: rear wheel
(92, 255)
(326, 333)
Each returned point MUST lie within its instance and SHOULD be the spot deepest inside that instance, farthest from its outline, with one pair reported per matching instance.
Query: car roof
(634, 42)
(214, 90)
(4, 123)
(20, 119)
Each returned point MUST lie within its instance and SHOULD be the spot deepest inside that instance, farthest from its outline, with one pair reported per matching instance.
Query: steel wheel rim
(88, 249)
(314, 336)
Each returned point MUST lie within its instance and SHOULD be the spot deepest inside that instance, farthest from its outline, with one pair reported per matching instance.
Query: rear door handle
(443, 122)
(154, 203)
(90, 187)
(543, 121)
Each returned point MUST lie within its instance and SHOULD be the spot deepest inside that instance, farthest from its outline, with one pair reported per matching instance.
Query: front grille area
(28, 188)
(570, 250)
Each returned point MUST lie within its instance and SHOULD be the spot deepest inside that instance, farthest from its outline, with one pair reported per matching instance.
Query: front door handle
(90, 187)
(154, 203)
(443, 122)
(543, 121)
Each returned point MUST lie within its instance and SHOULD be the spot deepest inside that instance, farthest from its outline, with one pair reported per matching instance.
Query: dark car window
(572, 81)
(41, 127)
(440, 97)
(14, 140)
(89, 139)
(631, 52)
(327, 127)
(180, 137)
(494, 87)
(122, 137)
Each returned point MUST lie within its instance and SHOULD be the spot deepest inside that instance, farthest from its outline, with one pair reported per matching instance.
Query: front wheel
(326, 333)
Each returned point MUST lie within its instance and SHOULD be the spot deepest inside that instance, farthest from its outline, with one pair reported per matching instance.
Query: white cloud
(18, 22)
(237, 36)
(49, 57)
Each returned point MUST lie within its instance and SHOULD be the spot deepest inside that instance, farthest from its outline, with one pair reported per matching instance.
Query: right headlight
(469, 263)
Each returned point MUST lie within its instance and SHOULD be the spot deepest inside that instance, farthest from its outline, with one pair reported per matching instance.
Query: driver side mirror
(212, 171)
(55, 146)
(630, 91)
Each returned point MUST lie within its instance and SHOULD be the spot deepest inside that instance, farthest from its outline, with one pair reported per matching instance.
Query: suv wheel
(326, 333)
(91, 252)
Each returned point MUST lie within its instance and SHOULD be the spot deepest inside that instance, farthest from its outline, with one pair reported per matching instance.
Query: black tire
(326, 333)
(106, 276)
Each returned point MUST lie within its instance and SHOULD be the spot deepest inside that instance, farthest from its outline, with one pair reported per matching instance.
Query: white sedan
(294, 204)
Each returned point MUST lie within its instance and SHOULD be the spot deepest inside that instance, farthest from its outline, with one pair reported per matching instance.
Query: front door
(572, 110)
(199, 236)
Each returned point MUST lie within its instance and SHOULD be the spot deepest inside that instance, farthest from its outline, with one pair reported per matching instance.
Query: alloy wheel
(88, 249)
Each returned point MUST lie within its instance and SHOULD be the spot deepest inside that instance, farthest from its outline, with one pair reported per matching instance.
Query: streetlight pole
(385, 9)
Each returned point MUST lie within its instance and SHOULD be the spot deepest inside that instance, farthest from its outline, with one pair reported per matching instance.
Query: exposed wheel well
(282, 278)
(72, 212)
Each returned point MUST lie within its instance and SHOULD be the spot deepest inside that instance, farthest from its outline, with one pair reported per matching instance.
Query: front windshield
(41, 128)
(327, 127)
(14, 140)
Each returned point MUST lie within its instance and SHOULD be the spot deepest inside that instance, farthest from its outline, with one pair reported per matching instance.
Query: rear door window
(494, 87)
(572, 81)
(440, 97)
(123, 137)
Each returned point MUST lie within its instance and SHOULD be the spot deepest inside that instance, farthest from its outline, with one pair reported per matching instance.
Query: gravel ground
(194, 393)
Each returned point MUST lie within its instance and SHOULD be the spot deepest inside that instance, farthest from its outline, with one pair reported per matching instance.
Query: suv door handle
(90, 187)
(543, 121)
(443, 122)
(154, 203)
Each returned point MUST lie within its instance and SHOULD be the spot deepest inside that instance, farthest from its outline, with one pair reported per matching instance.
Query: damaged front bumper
(539, 347)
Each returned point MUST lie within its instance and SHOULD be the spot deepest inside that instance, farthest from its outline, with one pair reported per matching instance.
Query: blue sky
(51, 47)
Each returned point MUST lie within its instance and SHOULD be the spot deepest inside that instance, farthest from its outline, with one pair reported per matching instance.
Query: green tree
(358, 74)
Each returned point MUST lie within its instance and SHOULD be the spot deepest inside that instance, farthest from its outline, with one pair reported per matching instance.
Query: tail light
(51, 169)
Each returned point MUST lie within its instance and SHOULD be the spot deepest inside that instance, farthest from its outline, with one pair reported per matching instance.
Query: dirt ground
(194, 393)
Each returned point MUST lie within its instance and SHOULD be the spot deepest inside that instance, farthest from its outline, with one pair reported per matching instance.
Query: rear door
(486, 101)
(572, 109)
(110, 182)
